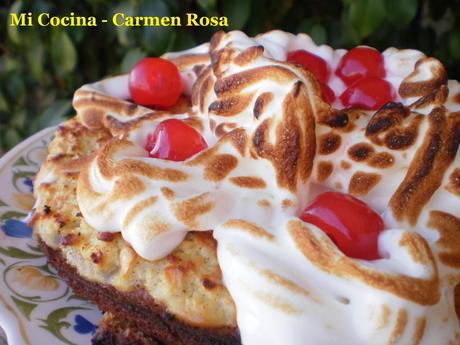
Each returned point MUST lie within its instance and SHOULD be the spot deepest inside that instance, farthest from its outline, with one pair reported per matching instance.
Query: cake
(226, 246)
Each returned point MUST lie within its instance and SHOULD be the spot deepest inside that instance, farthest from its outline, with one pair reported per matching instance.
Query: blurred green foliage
(40, 67)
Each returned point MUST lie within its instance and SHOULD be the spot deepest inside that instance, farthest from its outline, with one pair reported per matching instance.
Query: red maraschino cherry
(155, 82)
(368, 93)
(327, 93)
(360, 62)
(350, 223)
(174, 140)
(312, 62)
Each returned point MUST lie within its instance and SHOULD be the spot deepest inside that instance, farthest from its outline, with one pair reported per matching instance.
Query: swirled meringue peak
(274, 144)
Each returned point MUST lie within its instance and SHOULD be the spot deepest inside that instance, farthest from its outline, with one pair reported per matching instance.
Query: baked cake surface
(274, 144)
(184, 286)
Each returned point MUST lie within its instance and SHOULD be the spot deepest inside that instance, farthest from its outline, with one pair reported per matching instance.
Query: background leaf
(400, 13)
(63, 52)
(208, 6)
(41, 67)
(156, 38)
(237, 12)
(55, 114)
(454, 44)
(35, 57)
(318, 33)
(13, 31)
(132, 57)
(124, 34)
(366, 16)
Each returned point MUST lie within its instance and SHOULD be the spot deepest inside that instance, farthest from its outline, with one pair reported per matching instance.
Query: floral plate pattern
(36, 306)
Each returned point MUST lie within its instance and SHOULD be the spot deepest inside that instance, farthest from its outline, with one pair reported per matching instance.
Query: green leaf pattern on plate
(24, 307)
(54, 323)
(17, 253)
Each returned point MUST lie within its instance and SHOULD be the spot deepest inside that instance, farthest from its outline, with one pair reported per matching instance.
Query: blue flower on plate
(29, 183)
(83, 326)
(16, 228)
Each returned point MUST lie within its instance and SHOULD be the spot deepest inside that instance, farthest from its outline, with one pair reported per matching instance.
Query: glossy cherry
(328, 94)
(155, 82)
(368, 93)
(350, 223)
(360, 62)
(312, 62)
(174, 140)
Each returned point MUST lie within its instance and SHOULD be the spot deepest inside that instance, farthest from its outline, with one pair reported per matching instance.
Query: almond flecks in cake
(97, 257)
(105, 236)
(68, 240)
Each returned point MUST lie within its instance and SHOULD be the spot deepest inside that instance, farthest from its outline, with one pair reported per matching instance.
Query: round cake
(321, 207)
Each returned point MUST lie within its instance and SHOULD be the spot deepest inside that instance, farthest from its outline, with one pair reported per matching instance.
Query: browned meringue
(271, 138)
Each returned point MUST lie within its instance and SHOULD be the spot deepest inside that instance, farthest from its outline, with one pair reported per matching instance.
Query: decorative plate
(36, 306)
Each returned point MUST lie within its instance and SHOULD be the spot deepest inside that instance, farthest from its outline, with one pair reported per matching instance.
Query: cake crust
(154, 321)
(114, 331)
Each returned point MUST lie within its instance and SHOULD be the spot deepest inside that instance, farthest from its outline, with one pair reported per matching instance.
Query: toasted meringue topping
(274, 144)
